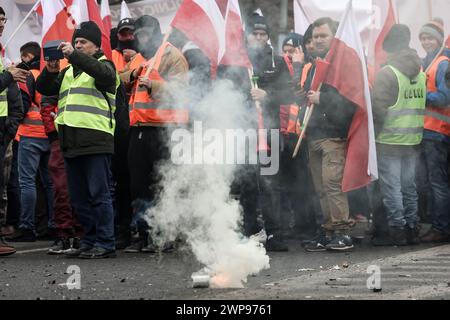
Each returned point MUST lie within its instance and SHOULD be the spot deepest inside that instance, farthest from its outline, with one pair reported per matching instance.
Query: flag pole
(307, 118)
(153, 61)
(22, 23)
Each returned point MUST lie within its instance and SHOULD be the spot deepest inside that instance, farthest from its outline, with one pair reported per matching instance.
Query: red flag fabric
(203, 23)
(105, 13)
(58, 24)
(94, 15)
(235, 50)
(320, 74)
(387, 8)
(347, 73)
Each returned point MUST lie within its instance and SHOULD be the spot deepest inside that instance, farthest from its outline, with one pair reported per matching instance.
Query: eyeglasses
(3, 20)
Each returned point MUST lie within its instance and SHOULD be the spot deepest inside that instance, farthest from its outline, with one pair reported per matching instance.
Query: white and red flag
(88, 10)
(387, 18)
(235, 50)
(348, 74)
(105, 13)
(203, 22)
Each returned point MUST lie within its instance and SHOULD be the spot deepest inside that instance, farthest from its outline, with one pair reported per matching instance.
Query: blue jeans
(397, 172)
(436, 155)
(89, 179)
(33, 155)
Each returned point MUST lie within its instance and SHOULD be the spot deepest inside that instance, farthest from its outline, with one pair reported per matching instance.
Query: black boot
(398, 236)
(412, 235)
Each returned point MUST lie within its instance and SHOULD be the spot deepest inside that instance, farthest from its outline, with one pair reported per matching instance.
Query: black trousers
(147, 148)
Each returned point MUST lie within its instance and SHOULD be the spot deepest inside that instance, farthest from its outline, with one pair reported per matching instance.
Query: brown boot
(7, 231)
(6, 250)
(435, 236)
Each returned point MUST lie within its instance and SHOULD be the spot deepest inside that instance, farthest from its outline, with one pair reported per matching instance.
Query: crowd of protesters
(81, 139)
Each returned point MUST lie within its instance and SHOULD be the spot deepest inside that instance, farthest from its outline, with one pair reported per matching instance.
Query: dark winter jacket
(332, 117)
(9, 124)
(79, 141)
(274, 78)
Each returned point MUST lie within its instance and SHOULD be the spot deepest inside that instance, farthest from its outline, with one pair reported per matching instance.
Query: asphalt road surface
(419, 272)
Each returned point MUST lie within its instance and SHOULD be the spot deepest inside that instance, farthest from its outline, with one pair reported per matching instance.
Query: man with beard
(153, 112)
(327, 142)
(274, 89)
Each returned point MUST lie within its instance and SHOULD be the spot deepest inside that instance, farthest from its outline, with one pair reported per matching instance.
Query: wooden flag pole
(152, 61)
(307, 118)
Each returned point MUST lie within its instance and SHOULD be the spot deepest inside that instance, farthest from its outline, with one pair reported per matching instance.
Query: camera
(51, 51)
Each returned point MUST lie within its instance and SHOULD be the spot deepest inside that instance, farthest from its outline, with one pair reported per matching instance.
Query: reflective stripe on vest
(404, 121)
(82, 105)
(3, 96)
(436, 119)
(32, 125)
(144, 109)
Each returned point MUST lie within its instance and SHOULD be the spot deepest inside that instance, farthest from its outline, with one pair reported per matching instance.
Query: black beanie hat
(90, 31)
(2, 11)
(293, 39)
(397, 39)
(257, 22)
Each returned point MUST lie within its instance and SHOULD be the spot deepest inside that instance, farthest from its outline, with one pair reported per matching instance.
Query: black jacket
(331, 118)
(9, 124)
(274, 78)
(79, 141)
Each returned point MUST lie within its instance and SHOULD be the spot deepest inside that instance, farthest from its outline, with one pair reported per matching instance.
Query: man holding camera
(85, 122)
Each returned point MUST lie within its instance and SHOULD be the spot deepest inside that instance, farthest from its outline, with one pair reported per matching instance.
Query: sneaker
(135, 247)
(260, 237)
(60, 246)
(318, 244)
(6, 250)
(276, 244)
(22, 235)
(340, 242)
(98, 253)
(150, 248)
(75, 249)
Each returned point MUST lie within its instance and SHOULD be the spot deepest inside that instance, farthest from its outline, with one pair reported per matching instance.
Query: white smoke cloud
(195, 201)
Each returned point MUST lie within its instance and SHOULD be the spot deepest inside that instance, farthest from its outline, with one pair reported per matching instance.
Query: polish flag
(235, 50)
(203, 22)
(301, 19)
(106, 15)
(57, 22)
(348, 74)
(385, 9)
(124, 11)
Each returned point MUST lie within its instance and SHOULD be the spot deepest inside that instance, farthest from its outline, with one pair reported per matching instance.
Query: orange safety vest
(118, 60)
(436, 119)
(144, 109)
(32, 125)
(290, 123)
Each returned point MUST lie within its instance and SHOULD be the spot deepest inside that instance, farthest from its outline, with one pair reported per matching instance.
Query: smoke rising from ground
(195, 200)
